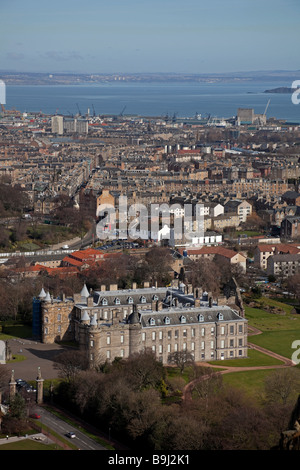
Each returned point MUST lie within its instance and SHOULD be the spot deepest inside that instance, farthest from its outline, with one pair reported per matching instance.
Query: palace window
(152, 321)
(143, 299)
(200, 317)
(104, 302)
(183, 319)
(117, 301)
(167, 320)
(130, 300)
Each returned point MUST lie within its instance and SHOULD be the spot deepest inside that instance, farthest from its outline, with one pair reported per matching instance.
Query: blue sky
(119, 36)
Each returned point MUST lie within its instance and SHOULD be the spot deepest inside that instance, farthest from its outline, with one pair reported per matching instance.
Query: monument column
(12, 385)
(39, 387)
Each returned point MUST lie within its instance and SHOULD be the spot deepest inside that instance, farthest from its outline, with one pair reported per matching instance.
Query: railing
(35, 253)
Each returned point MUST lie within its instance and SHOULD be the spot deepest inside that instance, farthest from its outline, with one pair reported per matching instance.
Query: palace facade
(114, 323)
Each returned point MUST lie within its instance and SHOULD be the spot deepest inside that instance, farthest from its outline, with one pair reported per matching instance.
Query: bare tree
(181, 359)
(70, 363)
(282, 385)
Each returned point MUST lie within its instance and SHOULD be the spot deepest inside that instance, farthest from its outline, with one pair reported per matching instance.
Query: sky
(139, 36)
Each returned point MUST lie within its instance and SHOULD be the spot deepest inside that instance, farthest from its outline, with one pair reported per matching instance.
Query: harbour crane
(121, 113)
(79, 112)
(267, 107)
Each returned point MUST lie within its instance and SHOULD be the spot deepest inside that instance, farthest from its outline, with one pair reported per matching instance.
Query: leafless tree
(181, 359)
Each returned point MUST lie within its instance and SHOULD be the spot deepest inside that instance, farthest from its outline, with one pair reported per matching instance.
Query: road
(81, 441)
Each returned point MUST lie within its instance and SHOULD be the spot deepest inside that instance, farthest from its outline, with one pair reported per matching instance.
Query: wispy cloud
(15, 56)
(61, 56)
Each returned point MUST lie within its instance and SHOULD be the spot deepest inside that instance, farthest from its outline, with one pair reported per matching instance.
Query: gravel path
(36, 355)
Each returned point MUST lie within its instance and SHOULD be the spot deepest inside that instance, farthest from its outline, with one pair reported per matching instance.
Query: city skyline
(134, 37)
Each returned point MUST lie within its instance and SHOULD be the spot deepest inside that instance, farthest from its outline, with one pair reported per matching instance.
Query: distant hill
(281, 89)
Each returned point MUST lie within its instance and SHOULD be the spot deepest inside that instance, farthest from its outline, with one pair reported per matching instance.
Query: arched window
(200, 317)
(183, 319)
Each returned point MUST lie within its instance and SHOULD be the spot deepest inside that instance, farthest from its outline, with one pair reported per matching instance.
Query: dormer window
(143, 299)
(220, 316)
(155, 297)
(130, 300)
(200, 317)
(104, 302)
(152, 321)
(117, 301)
(167, 320)
(183, 319)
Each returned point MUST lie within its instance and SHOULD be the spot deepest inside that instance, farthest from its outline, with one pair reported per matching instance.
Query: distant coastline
(27, 78)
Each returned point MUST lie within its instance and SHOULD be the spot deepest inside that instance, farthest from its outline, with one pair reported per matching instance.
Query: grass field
(278, 334)
(28, 444)
(255, 359)
(278, 331)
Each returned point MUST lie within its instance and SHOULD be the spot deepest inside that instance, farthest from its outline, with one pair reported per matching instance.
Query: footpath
(35, 437)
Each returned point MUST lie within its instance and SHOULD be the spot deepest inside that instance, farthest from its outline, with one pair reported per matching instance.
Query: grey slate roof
(178, 316)
(124, 295)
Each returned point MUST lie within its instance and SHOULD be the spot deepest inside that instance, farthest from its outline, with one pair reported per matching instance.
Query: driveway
(36, 355)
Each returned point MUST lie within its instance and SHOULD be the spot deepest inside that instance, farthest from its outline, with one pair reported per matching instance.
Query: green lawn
(254, 359)
(28, 444)
(278, 334)
(275, 303)
(278, 331)
(250, 382)
(10, 330)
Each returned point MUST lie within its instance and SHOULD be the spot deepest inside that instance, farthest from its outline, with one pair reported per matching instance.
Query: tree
(143, 370)
(159, 264)
(293, 285)
(14, 422)
(282, 386)
(181, 359)
(205, 274)
(70, 363)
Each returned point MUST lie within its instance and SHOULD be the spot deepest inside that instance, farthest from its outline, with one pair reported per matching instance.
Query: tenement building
(113, 323)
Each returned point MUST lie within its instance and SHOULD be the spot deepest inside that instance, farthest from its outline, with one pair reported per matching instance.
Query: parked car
(35, 416)
(71, 435)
